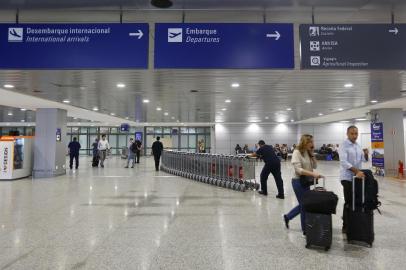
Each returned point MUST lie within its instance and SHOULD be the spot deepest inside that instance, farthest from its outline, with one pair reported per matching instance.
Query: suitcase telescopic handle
(315, 181)
(353, 193)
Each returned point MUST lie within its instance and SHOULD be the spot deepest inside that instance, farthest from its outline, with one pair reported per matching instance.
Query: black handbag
(307, 181)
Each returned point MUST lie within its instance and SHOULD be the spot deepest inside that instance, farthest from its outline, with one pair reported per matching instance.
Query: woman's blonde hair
(304, 140)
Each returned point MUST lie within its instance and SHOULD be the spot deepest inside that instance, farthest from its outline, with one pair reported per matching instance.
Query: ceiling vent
(161, 3)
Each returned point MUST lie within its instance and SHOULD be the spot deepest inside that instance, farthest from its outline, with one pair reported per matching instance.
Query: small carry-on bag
(360, 221)
(95, 161)
(319, 228)
(320, 201)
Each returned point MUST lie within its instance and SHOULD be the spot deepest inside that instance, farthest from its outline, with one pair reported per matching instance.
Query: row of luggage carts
(227, 171)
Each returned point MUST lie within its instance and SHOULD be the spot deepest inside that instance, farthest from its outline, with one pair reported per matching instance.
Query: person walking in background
(74, 148)
(157, 148)
(237, 149)
(138, 145)
(351, 158)
(103, 147)
(95, 152)
(304, 163)
(272, 165)
(131, 153)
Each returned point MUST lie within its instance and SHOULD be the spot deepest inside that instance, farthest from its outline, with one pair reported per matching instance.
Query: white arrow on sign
(139, 34)
(276, 35)
(395, 31)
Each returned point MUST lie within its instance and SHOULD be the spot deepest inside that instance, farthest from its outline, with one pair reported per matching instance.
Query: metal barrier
(233, 172)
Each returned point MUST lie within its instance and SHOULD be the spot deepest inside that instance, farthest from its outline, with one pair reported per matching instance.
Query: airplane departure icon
(173, 35)
(14, 33)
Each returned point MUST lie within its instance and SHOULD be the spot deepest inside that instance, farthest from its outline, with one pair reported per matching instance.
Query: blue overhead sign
(224, 45)
(353, 46)
(74, 46)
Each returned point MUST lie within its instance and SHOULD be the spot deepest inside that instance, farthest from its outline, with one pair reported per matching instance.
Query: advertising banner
(6, 159)
(378, 144)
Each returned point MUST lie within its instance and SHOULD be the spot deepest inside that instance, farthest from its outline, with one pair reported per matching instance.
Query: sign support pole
(18, 16)
(312, 14)
(392, 15)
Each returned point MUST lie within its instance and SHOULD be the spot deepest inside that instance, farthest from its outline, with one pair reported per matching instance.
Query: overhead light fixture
(112, 114)
(320, 114)
(22, 120)
(289, 109)
(83, 88)
(235, 85)
(159, 109)
(9, 86)
(224, 109)
(340, 109)
(120, 85)
(127, 118)
(95, 109)
(227, 100)
(146, 101)
(166, 114)
(161, 3)
(361, 119)
(292, 120)
(309, 101)
(10, 114)
(23, 109)
(74, 118)
(374, 101)
(66, 101)
(266, 117)
(173, 117)
(344, 121)
(348, 85)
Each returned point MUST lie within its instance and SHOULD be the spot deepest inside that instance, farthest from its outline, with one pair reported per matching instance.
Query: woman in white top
(304, 164)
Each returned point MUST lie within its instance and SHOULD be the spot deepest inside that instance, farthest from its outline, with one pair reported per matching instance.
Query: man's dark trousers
(157, 159)
(275, 169)
(76, 157)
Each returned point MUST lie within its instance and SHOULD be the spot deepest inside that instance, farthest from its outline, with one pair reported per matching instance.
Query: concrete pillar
(393, 136)
(50, 143)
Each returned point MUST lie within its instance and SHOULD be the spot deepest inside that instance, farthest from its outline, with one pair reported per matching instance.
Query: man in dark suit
(157, 148)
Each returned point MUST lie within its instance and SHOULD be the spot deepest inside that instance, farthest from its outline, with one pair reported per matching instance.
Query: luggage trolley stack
(227, 171)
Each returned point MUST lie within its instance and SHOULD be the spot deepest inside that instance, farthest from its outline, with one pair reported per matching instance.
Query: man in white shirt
(351, 158)
(104, 146)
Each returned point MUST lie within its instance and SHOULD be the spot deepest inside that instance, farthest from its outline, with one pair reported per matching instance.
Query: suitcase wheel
(326, 248)
(307, 246)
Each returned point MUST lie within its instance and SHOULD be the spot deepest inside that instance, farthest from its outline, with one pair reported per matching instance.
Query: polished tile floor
(116, 218)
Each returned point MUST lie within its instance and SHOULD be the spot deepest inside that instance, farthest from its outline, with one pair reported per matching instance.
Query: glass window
(150, 140)
(175, 141)
(208, 130)
(104, 130)
(184, 141)
(192, 130)
(92, 130)
(199, 130)
(158, 130)
(183, 130)
(114, 130)
(208, 142)
(150, 130)
(192, 141)
(122, 141)
(133, 130)
(167, 130)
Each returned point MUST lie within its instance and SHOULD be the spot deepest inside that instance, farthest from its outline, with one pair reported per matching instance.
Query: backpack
(133, 148)
(371, 192)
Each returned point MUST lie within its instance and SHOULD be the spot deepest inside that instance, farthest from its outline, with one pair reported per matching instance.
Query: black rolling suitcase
(319, 228)
(360, 221)
(95, 161)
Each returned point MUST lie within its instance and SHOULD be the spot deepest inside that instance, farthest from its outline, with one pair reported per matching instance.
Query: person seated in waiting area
(284, 152)
(323, 149)
(292, 148)
(245, 149)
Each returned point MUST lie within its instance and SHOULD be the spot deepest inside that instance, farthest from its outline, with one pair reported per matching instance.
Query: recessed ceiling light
(166, 114)
(8, 86)
(159, 109)
(320, 114)
(146, 101)
(173, 117)
(10, 114)
(228, 100)
(23, 120)
(266, 117)
(23, 109)
(66, 101)
(345, 121)
(361, 119)
(224, 109)
(309, 101)
(112, 114)
(120, 85)
(374, 101)
(289, 109)
(292, 120)
(348, 85)
(340, 109)
(127, 118)
(235, 85)
(83, 88)
(95, 109)
(74, 118)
